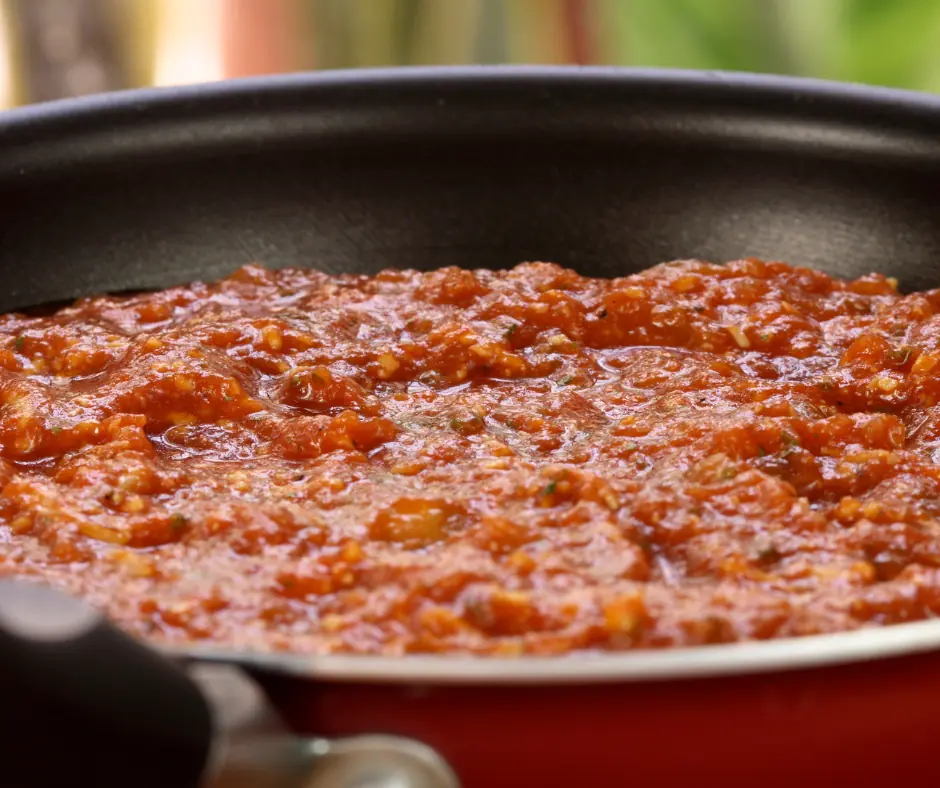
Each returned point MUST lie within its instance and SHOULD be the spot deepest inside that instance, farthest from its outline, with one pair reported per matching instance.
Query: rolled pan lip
(793, 113)
(642, 665)
(726, 83)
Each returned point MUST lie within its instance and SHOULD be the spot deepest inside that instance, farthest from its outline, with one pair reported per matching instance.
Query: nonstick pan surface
(603, 170)
(606, 171)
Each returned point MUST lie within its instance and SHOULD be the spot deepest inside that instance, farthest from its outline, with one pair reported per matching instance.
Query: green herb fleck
(565, 380)
(511, 330)
(768, 554)
(55, 430)
(19, 342)
(901, 355)
(178, 522)
(727, 473)
(764, 336)
(790, 441)
(511, 423)
(479, 611)
(761, 451)
(765, 552)
(456, 424)
(549, 489)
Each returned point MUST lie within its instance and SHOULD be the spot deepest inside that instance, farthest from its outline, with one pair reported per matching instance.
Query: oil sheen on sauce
(523, 461)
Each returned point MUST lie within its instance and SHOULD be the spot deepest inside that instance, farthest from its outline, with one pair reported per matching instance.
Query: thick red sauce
(494, 462)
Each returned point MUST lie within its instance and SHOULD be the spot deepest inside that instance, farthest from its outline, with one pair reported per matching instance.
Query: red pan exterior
(868, 724)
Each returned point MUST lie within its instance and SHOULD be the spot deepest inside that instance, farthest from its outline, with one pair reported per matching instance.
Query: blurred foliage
(886, 42)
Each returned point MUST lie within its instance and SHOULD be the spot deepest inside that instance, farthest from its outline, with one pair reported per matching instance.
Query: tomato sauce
(525, 461)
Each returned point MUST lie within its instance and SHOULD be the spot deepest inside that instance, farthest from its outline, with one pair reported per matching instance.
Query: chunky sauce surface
(491, 462)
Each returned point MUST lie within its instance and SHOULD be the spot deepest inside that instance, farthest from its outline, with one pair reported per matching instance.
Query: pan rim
(731, 83)
(869, 644)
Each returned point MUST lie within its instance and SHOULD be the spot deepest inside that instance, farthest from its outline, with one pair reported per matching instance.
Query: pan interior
(603, 170)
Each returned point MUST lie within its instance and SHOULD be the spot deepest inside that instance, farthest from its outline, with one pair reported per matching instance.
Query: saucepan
(603, 170)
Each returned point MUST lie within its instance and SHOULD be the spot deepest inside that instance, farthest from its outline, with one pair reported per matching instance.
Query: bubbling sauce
(515, 462)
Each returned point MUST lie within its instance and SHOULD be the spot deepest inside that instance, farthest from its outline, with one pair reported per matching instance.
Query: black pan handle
(81, 703)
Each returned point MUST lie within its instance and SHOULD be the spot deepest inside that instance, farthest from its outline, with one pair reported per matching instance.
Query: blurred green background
(56, 48)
